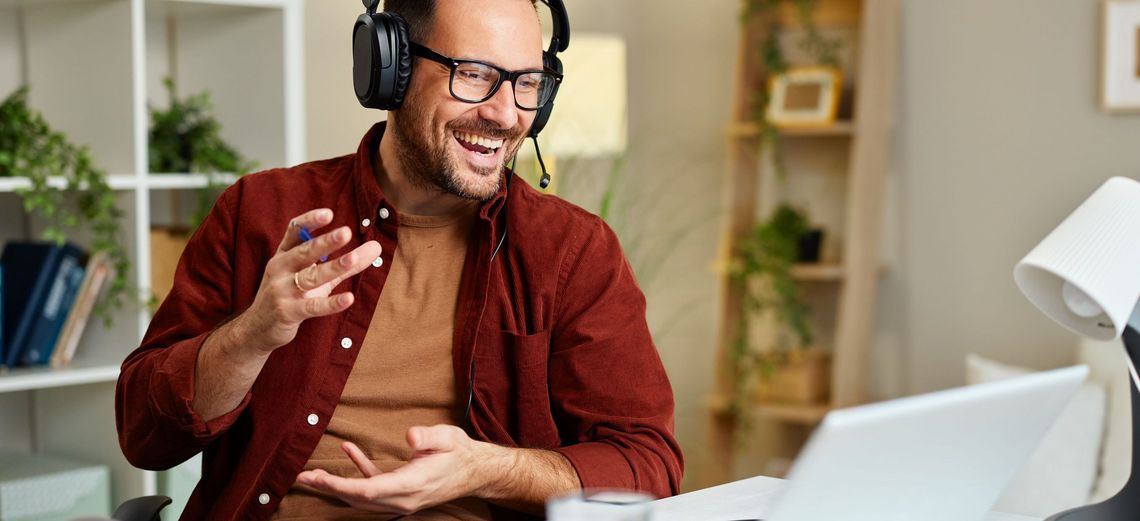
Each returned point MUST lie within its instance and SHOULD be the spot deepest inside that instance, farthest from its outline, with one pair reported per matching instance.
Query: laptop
(944, 456)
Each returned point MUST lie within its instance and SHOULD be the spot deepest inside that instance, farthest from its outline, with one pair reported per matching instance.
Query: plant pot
(810, 245)
(803, 378)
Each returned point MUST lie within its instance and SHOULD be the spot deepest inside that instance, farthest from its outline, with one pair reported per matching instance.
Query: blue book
(61, 294)
(1, 312)
(28, 272)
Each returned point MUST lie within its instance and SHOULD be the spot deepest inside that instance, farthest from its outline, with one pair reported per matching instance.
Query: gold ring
(297, 282)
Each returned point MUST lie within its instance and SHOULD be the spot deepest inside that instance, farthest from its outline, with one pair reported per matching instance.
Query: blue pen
(306, 237)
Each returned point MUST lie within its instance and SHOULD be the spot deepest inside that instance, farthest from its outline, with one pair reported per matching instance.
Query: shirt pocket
(511, 387)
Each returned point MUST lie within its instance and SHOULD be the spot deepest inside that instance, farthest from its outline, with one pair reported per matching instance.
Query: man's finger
(311, 220)
(357, 456)
(372, 490)
(344, 267)
(428, 439)
(310, 252)
(324, 306)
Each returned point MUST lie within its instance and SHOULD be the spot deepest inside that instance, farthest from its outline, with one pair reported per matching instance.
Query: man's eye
(473, 75)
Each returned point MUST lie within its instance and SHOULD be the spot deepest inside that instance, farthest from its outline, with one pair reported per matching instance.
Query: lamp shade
(589, 118)
(1086, 273)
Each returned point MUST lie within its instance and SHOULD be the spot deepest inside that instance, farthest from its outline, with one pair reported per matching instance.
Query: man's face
(436, 130)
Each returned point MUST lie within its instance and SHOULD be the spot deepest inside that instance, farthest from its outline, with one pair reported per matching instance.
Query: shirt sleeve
(609, 391)
(157, 427)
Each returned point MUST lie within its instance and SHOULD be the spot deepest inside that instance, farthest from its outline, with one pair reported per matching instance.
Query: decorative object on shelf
(801, 377)
(30, 148)
(186, 138)
(823, 50)
(804, 97)
(166, 246)
(1084, 276)
(762, 270)
(1120, 56)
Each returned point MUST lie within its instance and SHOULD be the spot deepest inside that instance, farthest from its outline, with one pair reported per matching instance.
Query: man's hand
(448, 465)
(295, 287)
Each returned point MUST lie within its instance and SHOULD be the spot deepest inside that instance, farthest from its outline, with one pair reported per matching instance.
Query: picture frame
(1120, 56)
(804, 97)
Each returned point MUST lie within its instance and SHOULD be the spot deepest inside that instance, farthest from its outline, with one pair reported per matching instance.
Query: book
(95, 276)
(28, 271)
(52, 315)
(1, 313)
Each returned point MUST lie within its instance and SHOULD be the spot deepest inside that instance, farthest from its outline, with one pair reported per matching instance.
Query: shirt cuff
(600, 465)
(173, 394)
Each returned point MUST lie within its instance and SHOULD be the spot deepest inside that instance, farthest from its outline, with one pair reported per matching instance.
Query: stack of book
(48, 293)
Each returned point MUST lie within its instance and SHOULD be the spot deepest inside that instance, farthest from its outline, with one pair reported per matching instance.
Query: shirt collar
(369, 197)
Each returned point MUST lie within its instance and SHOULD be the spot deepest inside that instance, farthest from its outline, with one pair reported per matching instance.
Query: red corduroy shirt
(550, 334)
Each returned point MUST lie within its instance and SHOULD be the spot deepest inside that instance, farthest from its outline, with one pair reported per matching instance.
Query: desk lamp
(1086, 276)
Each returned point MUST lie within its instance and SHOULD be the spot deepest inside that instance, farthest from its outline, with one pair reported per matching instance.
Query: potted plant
(186, 138)
(30, 148)
(780, 365)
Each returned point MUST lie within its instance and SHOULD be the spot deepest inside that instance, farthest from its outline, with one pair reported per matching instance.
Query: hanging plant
(30, 148)
(762, 270)
(186, 138)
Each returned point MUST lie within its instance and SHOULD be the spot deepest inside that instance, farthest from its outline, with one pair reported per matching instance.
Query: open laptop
(944, 456)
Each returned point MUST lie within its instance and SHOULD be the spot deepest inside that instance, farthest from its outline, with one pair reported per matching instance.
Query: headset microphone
(545, 182)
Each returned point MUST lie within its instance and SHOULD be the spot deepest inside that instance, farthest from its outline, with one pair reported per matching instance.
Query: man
(468, 349)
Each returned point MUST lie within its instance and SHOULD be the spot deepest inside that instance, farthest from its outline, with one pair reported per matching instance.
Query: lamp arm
(1126, 503)
(1131, 332)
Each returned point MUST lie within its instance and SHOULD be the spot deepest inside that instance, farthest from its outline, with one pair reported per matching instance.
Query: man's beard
(428, 166)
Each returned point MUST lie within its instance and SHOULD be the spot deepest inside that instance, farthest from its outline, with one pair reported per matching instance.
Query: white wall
(10, 68)
(999, 138)
(335, 120)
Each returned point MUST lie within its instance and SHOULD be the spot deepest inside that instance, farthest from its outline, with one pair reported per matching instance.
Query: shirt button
(365, 223)
(384, 213)
(263, 499)
(378, 262)
(346, 342)
(312, 419)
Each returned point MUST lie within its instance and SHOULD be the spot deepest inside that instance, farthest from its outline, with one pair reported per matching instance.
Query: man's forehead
(507, 32)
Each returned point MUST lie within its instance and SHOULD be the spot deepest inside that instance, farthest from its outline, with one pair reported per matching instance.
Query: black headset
(382, 62)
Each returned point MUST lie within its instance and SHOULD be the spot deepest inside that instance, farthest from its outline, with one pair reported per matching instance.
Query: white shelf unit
(93, 68)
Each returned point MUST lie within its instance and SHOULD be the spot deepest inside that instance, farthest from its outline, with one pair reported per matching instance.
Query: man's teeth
(492, 144)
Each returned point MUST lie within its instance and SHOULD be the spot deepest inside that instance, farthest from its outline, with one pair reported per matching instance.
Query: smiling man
(469, 348)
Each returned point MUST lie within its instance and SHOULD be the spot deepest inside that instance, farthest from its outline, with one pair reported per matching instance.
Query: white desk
(744, 499)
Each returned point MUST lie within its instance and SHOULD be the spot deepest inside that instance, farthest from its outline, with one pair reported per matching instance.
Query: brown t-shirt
(403, 374)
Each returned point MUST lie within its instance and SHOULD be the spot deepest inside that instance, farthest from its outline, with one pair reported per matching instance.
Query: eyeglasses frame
(504, 75)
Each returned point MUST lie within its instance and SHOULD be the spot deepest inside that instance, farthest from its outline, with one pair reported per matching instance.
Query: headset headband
(561, 38)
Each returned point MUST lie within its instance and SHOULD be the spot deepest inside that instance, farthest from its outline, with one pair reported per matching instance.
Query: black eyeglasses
(475, 81)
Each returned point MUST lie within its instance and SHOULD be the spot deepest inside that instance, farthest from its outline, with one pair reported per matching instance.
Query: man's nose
(501, 109)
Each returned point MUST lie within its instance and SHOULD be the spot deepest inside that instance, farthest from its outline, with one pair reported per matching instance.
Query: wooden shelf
(817, 272)
(850, 154)
(837, 129)
(797, 414)
(823, 272)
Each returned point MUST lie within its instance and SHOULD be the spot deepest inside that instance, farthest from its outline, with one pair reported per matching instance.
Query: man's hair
(418, 14)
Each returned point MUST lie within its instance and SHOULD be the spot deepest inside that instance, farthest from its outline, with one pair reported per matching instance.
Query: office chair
(144, 508)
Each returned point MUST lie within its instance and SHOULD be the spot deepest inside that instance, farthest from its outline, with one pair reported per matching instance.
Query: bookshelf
(836, 172)
(93, 67)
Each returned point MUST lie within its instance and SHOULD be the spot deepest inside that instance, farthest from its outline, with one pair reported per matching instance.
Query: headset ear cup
(381, 60)
(403, 60)
(550, 61)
